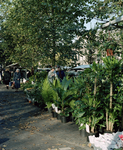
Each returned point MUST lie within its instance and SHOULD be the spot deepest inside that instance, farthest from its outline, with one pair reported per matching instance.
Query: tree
(43, 30)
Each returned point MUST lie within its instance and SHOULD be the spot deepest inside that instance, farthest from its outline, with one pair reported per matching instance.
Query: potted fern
(48, 94)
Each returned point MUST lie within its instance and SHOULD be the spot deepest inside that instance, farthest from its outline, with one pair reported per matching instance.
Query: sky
(91, 24)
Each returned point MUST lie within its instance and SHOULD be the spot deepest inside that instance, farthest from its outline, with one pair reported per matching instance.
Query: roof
(12, 65)
(44, 69)
(116, 21)
(65, 67)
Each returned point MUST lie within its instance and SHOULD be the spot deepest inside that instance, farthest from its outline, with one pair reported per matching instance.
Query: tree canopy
(39, 30)
(52, 31)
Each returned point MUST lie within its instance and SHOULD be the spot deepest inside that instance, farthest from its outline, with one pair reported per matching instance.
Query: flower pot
(96, 134)
(58, 117)
(107, 131)
(72, 119)
(83, 133)
(109, 52)
(35, 103)
(50, 110)
(101, 130)
(64, 119)
(54, 114)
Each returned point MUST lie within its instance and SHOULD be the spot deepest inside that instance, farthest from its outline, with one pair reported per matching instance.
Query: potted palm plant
(64, 96)
(80, 117)
(112, 66)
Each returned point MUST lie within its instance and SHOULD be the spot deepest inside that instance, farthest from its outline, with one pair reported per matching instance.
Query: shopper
(16, 79)
(52, 75)
(60, 73)
(7, 77)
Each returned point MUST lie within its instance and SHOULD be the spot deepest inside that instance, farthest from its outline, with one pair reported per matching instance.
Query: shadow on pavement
(2, 140)
(14, 110)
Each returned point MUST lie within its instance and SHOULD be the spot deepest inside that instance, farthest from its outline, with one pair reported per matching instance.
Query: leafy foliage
(48, 94)
(64, 94)
(44, 30)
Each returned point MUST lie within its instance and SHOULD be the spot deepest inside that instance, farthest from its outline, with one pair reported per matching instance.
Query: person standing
(17, 77)
(52, 75)
(0, 73)
(60, 74)
(7, 77)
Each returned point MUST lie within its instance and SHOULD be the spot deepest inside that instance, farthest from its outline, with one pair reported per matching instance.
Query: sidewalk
(25, 126)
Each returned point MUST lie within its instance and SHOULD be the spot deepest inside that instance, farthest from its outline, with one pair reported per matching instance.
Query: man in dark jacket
(60, 73)
(7, 77)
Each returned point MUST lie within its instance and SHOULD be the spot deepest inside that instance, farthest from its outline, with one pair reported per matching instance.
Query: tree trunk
(111, 94)
(53, 59)
(107, 122)
(32, 71)
(92, 129)
(95, 90)
(89, 121)
(122, 117)
(54, 35)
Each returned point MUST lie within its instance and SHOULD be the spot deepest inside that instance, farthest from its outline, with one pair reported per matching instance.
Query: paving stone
(66, 148)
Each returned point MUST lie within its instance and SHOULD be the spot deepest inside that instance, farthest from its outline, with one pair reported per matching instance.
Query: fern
(48, 94)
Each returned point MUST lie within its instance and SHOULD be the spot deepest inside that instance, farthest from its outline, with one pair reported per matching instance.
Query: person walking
(52, 75)
(17, 77)
(60, 73)
(7, 77)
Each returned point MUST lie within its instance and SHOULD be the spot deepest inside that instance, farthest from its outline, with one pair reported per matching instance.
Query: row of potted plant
(33, 87)
(94, 99)
(97, 96)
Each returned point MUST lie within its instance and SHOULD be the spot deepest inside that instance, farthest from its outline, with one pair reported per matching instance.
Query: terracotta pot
(30, 101)
(109, 52)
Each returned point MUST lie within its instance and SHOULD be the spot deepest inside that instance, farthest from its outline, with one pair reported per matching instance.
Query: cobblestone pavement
(24, 126)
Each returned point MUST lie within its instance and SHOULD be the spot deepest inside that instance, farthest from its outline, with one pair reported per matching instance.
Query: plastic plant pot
(64, 119)
(49, 110)
(54, 114)
(83, 133)
(58, 117)
(88, 134)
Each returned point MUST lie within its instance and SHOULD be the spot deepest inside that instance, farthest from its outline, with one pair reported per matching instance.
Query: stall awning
(84, 66)
(113, 22)
(81, 67)
(14, 65)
